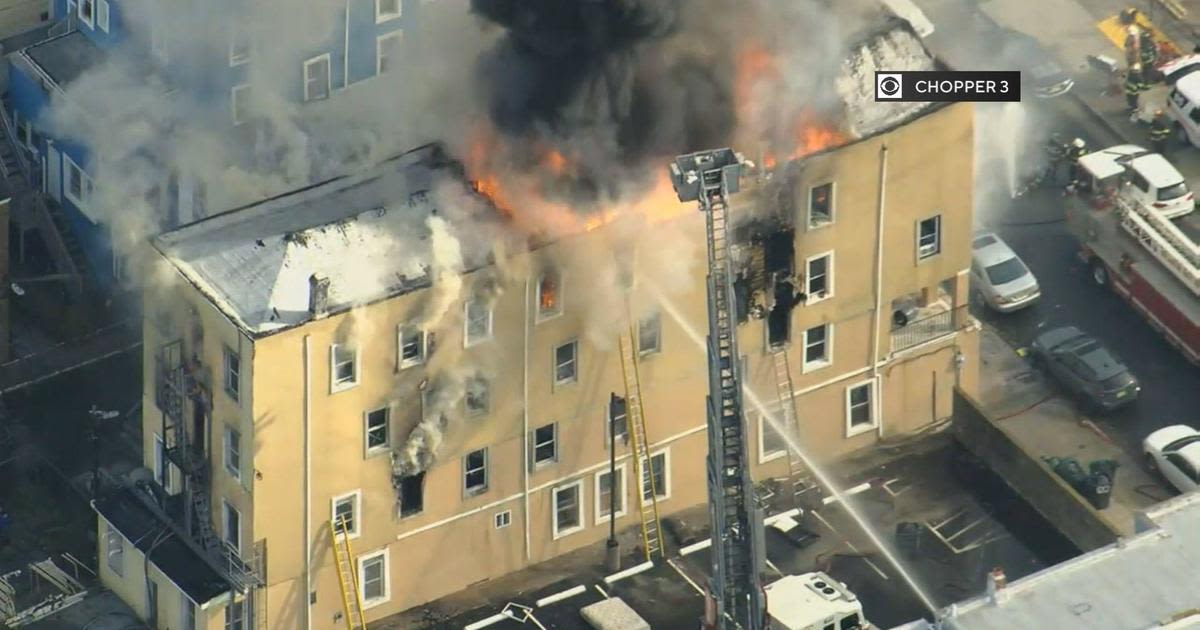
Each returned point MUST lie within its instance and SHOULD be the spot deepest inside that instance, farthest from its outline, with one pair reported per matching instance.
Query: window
(238, 102)
(235, 615)
(87, 12)
(316, 78)
(373, 575)
(929, 237)
(344, 365)
(114, 547)
(233, 452)
(860, 407)
(771, 444)
(348, 507)
(79, 185)
(549, 296)
(233, 526)
(413, 346)
(617, 414)
(650, 334)
(820, 205)
(545, 446)
(187, 608)
(478, 322)
(164, 470)
(387, 47)
(661, 470)
(412, 495)
(102, 15)
(477, 398)
(565, 363)
(817, 341)
(502, 519)
(200, 200)
(233, 373)
(475, 477)
(604, 495)
(567, 507)
(387, 10)
(239, 47)
(818, 277)
(377, 430)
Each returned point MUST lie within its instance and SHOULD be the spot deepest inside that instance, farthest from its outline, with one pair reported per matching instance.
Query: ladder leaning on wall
(343, 559)
(643, 469)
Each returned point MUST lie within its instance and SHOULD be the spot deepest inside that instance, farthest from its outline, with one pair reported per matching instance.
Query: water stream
(822, 476)
(1008, 136)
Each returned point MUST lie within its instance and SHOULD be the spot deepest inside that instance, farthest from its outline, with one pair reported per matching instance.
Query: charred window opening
(549, 296)
(778, 261)
(477, 399)
(412, 494)
(741, 297)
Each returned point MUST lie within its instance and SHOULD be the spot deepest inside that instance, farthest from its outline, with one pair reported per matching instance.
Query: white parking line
(602, 591)
(671, 561)
(860, 488)
(694, 547)
(558, 597)
(771, 566)
(483, 623)
(771, 520)
(620, 575)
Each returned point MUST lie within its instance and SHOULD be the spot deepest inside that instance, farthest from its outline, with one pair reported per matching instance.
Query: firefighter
(1133, 40)
(1077, 150)
(1160, 131)
(1147, 50)
(1134, 85)
(1128, 16)
(1056, 149)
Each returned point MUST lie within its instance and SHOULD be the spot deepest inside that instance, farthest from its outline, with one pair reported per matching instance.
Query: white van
(1148, 178)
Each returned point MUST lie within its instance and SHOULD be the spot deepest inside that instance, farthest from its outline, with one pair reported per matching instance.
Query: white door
(54, 172)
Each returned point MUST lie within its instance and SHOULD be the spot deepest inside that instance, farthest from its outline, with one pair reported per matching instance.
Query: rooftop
(1137, 583)
(67, 57)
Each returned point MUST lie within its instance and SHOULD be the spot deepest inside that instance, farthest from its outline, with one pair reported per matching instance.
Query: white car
(999, 278)
(1174, 451)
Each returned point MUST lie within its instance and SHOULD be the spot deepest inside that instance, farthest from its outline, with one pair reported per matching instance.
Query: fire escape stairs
(643, 468)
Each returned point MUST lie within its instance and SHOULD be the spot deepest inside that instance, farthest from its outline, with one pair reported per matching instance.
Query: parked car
(1148, 178)
(999, 277)
(1039, 72)
(1174, 452)
(1085, 367)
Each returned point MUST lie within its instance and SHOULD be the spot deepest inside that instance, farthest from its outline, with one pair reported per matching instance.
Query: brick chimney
(318, 296)
(996, 584)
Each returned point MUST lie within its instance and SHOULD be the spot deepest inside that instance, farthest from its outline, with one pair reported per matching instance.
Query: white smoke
(446, 272)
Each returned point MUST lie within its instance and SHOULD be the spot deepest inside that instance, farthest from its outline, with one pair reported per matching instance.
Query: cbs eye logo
(889, 86)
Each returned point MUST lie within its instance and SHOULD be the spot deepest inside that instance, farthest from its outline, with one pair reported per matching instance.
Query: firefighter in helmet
(1057, 149)
(1076, 150)
(1160, 131)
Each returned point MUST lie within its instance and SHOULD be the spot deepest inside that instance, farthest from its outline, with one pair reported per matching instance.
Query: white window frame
(369, 450)
(356, 496)
(382, 44)
(381, 17)
(91, 22)
(537, 465)
(328, 61)
(487, 388)
(658, 335)
(663, 493)
(232, 376)
(829, 276)
(114, 539)
(234, 109)
(401, 362)
(763, 426)
(503, 519)
(234, 470)
(102, 15)
(574, 378)
(84, 183)
(234, 58)
(164, 469)
(832, 206)
(538, 314)
(477, 490)
(559, 532)
(335, 385)
(387, 581)
(937, 238)
(227, 508)
(622, 491)
(820, 364)
(467, 340)
(873, 384)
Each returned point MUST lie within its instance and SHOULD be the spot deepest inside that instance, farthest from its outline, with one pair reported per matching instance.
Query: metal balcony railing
(931, 322)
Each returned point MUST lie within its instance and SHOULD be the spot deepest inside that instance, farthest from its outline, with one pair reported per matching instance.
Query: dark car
(1085, 367)
(1040, 74)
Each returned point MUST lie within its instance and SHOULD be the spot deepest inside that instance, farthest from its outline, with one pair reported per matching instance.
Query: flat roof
(1136, 583)
(67, 57)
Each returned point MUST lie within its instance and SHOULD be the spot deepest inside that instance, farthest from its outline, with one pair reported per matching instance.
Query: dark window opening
(412, 494)
(199, 432)
(741, 297)
(779, 252)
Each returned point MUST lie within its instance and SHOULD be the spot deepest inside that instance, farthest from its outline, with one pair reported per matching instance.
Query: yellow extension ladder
(635, 423)
(343, 558)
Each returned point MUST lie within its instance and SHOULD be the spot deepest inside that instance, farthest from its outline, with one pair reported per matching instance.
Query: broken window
(373, 573)
(929, 237)
(819, 277)
(114, 545)
(820, 205)
(604, 493)
(565, 363)
(233, 376)
(316, 78)
(377, 430)
(478, 324)
(567, 509)
(658, 467)
(478, 396)
(816, 347)
(545, 445)
(233, 527)
(475, 479)
(412, 494)
(345, 512)
(650, 334)
(412, 344)
(859, 403)
(549, 296)
(233, 452)
(344, 361)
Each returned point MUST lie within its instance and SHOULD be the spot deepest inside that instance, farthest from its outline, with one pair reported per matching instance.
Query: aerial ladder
(343, 559)
(635, 424)
(735, 598)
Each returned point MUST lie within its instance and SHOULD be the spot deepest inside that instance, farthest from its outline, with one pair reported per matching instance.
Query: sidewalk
(1047, 424)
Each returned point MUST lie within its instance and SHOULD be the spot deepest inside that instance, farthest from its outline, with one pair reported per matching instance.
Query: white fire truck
(813, 601)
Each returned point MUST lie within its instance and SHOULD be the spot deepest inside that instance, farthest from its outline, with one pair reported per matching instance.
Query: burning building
(427, 349)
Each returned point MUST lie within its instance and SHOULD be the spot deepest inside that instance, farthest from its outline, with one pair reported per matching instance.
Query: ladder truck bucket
(688, 171)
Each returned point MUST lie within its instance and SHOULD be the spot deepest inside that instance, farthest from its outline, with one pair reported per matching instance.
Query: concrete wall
(1045, 491)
